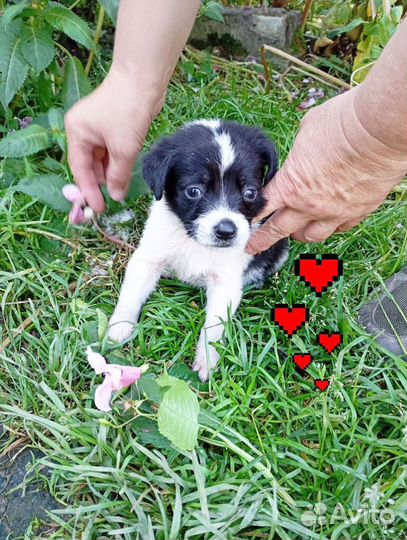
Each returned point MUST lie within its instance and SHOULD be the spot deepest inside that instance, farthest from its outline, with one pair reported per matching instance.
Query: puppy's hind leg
(222, 295)
(139, 282)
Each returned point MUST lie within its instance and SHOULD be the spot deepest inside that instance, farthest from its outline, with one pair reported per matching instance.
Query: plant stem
(98, 31)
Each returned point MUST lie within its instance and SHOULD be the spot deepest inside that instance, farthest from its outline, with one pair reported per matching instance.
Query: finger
(98, 165)
(284, 222)
(274, 200)
(80, 157)
(349, 225)
(316, 231)
(118, 175)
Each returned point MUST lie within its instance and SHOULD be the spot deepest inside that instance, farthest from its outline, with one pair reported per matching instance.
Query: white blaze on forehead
(222, 139)
(211, 124)
(227, 152)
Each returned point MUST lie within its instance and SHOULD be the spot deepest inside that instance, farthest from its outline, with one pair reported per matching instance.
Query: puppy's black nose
(225, 229)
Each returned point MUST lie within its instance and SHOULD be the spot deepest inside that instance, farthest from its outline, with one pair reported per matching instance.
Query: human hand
(106, 131)
(335, 175)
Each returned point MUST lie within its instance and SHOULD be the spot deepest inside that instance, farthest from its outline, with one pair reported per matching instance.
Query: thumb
(273, 196)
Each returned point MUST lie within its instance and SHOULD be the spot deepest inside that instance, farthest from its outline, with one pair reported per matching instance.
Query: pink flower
(79, 212)
(116, 378)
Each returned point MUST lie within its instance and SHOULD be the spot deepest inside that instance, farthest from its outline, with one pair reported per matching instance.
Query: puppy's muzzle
(225, 230)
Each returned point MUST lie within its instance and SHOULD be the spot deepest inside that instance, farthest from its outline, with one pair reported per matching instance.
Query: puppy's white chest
(198, 265)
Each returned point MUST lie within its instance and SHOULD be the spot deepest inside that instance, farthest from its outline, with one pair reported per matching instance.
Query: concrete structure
(245, 30)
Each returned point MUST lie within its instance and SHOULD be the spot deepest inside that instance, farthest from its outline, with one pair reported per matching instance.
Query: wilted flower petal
(76, 215)
(117, 377)
(96, 360)
(316, 93)
(307, 104)
(103, 395)
(73, 194)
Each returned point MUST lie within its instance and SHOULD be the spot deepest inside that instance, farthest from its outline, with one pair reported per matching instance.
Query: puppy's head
(212, 173)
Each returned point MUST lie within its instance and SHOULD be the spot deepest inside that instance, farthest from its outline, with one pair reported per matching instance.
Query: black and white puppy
(207, 180)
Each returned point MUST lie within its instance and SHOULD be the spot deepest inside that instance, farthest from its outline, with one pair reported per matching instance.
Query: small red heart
(322, 384)
(290, 319)
(319, 274)
(302, 360)
(330, 341)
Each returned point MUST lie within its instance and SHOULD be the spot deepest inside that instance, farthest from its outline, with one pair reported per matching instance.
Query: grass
(270, 446)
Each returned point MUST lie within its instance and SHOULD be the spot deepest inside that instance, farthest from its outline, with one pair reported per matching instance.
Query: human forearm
(149, 39)
(381, 100)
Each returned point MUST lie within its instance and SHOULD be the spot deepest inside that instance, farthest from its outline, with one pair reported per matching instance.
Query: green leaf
(56, 123)
(69, 23)
(37, 47)
(148, 388)
(344, 29)
(47, 188)
(178, 413)
(76, 85)
(148, 433)
(111, 7)
(214, 10)
(11, 171)
(24, 142)
(103, 323)
(11, 12)
(185, 373)
(13, 67)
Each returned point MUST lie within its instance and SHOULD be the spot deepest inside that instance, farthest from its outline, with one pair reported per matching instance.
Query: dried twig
(267, 72)
(319, 79)
(307, 67)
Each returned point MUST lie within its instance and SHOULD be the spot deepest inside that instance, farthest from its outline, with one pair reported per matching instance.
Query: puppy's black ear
(268, 153)
(157, 166)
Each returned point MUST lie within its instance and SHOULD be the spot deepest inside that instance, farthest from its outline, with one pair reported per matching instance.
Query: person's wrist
(366, 150)
(149, 90)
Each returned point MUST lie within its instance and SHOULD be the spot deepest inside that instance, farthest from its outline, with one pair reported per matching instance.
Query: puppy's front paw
(204, 362)
(120, 330)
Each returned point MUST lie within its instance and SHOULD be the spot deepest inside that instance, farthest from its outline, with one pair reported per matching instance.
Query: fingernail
(117, 195)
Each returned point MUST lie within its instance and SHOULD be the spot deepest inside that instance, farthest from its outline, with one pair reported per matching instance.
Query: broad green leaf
(11, 171)
(56, 123)
(103, 323)
(111, 7)
(178, 413)
(47, 188)
(69, 23)
(37, 47)
(76, 85)
(344, 29)
(56, 119)
(147, 387)
(185, 373)
(24, 142)
(213, 10)
(11, 12)
(13, 67)
(148, 433)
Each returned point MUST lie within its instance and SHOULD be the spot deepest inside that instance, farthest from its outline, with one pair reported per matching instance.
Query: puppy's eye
(193, 192)
(249, 194)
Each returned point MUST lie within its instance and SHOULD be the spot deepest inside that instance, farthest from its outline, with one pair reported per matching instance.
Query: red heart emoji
(322, 384)
(302, 360)
(319, 274)
(330, 341)
(290, 319)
